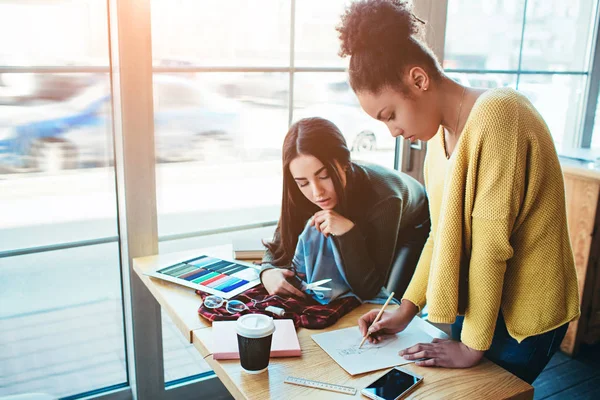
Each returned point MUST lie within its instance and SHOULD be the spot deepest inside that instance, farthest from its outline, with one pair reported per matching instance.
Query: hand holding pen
(390, 322)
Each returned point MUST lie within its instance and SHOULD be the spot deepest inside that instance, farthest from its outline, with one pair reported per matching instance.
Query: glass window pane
(226, 144)
(56, 159)
(316, 40)
(558, 35)
(60, 32)
(558, 98)
(220, 33)
(485, 81)
(180, 357)
(483, 34)
(328, 95)
(248, 239)
(61, 321)
(220, 117)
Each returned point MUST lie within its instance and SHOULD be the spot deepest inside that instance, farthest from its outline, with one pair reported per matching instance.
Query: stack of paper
(225, 346)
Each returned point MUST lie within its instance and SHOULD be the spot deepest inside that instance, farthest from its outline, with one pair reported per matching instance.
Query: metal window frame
(513, 71)
(523, 26)
(292, 60)
(158, 69)
(113, 239)
(116, 392)
(593, 88)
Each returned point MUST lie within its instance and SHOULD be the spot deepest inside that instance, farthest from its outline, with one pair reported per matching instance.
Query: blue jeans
(526, 359)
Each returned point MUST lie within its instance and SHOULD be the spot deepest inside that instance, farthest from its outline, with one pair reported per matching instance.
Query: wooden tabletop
(487, 380)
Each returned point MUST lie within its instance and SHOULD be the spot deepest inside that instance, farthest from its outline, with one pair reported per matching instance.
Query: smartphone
(395, 384)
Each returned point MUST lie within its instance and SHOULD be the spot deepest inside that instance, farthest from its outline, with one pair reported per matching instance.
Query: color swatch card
(212, 275)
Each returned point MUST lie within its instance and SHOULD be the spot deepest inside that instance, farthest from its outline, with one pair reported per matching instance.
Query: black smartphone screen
(392, 384)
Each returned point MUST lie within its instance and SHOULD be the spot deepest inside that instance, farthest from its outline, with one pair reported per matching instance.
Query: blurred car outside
(273, 89)
(362, 133)
(191, 123)
(17, 88)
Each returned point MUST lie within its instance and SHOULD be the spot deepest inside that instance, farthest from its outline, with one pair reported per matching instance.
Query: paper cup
(255, 334)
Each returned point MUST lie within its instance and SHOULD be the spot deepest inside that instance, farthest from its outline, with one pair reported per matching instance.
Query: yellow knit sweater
(500, 201)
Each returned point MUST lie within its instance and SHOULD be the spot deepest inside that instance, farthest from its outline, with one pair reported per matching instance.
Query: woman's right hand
(390, 322)
(275, 281)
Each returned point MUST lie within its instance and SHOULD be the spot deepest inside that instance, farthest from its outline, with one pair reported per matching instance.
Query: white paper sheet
(342, 346)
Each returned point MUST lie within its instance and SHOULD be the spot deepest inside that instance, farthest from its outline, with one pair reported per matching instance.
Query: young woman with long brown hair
(376, 216)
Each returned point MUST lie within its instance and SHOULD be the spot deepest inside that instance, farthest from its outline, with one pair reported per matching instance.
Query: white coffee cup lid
(255, 325)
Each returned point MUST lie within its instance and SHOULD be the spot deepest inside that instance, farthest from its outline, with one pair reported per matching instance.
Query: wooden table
(180, 302)
(487, 380)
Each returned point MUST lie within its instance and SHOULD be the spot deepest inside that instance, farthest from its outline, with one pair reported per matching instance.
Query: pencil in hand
(377, 318)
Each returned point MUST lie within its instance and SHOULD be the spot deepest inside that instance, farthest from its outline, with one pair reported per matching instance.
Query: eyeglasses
(232, 306)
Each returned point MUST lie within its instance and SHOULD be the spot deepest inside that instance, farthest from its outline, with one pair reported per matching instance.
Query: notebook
(250, 248)
(285, 340)
(211, 274)
(249, 255)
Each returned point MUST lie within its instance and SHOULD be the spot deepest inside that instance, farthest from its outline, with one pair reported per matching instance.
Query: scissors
(315, 286)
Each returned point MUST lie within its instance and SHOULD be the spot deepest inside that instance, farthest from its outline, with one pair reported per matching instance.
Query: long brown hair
(323, 140)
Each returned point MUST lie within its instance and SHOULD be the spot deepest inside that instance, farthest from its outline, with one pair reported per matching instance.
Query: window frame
(581, 137)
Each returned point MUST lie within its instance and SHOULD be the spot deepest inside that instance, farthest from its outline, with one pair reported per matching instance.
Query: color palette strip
(212, 272)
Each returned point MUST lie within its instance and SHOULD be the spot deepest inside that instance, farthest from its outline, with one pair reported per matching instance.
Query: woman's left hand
(328, 222)
(443, 353)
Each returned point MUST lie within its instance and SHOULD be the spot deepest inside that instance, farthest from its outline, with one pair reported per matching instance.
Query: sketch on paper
(342, 346)
(374, 348)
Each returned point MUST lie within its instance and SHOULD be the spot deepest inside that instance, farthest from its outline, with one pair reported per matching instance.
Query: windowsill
(581, 162)
(579, 154)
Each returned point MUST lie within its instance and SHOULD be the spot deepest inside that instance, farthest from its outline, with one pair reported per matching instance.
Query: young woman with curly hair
(498, 263)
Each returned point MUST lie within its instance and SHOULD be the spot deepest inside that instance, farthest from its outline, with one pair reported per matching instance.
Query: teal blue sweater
(385, 202)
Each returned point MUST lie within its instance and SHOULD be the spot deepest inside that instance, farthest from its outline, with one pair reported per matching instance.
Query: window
(209, 33)
(61, 320)
(538, 47)
(61, 313)
(316, 43)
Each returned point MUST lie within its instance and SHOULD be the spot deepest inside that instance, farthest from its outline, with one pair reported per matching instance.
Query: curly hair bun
(367, 24)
